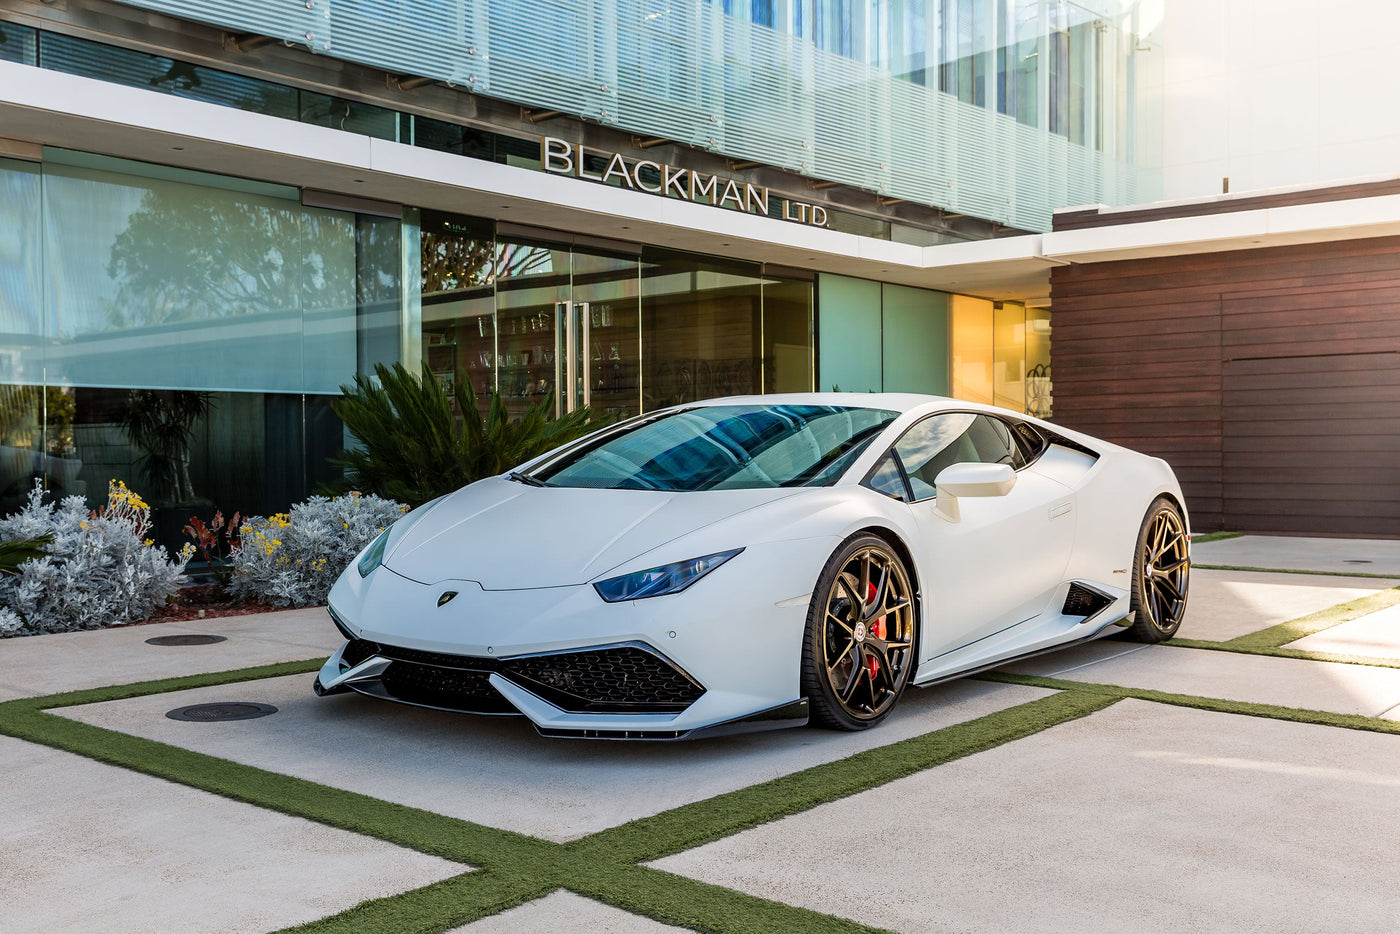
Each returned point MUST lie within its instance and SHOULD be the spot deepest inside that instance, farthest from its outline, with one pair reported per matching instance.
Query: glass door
(531, 319)
(608, 354)
(532, 303)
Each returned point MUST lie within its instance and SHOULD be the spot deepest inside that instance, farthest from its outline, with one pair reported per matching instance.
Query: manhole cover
(1357, 561)
(187, 639)
(211, 713)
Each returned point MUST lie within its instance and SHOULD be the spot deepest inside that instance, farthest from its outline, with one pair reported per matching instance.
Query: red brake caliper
(877, 629)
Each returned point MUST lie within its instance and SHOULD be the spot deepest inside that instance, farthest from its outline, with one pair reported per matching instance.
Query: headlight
(374, 554)
(655, 582)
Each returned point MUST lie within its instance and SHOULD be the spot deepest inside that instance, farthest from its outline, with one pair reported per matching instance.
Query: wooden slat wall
(1269, 379)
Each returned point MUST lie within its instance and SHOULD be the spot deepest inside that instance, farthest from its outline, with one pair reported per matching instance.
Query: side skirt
(1107, 628)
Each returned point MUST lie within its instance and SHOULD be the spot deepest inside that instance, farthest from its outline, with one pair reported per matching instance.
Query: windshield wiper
(525, 478)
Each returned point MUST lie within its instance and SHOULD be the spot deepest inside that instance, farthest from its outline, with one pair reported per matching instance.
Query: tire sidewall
(826, 708)
(1145, 628)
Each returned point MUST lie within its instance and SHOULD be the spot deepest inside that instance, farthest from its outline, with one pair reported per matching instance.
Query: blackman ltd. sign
(561, 157)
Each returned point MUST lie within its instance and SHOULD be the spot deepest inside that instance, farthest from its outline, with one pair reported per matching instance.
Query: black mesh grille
(617, 679)
(453, 688)
(357, 651)
(624, 678)
(1081, 601)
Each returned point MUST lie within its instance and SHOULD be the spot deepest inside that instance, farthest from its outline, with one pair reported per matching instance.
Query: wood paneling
(1269, 379)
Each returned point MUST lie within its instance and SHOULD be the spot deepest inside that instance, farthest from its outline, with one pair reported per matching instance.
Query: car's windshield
(724, 447)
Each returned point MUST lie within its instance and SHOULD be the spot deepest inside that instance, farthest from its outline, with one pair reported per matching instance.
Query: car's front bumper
(723, 656)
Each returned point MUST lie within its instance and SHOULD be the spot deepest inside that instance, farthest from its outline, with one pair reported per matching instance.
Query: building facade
(216, 214)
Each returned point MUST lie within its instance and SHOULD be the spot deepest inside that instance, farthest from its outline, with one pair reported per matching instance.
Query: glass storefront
(181, 332)
(621, 328)
(880, 337)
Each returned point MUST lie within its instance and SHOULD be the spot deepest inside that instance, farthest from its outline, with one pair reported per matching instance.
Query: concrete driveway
(1236, 782)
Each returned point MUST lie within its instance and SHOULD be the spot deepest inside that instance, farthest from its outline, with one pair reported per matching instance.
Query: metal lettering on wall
(564, 158)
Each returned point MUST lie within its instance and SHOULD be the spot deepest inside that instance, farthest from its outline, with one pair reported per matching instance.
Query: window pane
(1009, 356)
(154, 73)
(972, 348)
(936, 442)
(700, 328)
(17, 44)
(787, 335)
(1039, 388)
(724, 447)
(886, 479)
(21, 297)
(151, 282)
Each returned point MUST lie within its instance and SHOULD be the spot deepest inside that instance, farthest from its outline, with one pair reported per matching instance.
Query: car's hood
(508, 536)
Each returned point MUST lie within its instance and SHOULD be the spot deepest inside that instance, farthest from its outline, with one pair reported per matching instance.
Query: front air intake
(1084, 601)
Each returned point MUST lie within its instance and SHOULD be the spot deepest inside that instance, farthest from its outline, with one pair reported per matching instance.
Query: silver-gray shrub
(100, 570)
(292, 559)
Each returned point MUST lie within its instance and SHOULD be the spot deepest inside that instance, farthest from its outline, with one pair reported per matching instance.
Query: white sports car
(759, 562)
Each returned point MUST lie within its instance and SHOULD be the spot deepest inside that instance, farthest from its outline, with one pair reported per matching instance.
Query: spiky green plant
(413, 448)
(15, 553)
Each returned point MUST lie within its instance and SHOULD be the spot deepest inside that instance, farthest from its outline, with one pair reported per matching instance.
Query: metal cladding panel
(690, 73)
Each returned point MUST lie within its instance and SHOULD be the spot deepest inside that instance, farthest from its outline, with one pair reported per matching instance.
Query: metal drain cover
(213, 713)
(186, 639)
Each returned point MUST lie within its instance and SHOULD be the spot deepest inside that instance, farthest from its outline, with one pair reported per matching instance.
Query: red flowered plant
(216, 540)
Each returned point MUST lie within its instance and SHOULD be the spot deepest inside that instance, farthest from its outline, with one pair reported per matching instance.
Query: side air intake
(1084, 601)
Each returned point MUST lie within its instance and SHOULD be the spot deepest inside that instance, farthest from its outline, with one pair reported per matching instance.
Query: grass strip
(434, 908)
(1278, 636)
(1213, 537)
(1373, 661)
(701, 906)
(165, 685)
(691, 825)
(450, 838)
(1219, 705)
(1238, 567)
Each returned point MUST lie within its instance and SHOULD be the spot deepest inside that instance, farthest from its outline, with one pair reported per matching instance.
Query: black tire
(1161, 574)
(857, 660)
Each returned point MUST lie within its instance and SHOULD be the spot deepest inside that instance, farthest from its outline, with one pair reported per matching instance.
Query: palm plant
(412, 448)
(15, 553)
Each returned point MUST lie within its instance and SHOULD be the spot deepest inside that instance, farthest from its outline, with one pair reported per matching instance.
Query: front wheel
(858, 650)
(1161, 574)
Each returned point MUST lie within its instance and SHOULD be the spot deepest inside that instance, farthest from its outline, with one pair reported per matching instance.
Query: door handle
(585, 330)
(568, 390)
(1061, 509)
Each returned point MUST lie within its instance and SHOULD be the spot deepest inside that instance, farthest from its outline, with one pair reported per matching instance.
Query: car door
(1000, 562)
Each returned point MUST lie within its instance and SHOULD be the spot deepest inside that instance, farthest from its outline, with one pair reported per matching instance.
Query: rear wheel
(858, 651)
(1161, 574)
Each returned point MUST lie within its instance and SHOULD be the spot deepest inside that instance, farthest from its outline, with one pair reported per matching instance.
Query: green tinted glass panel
(915, 340)
(848, 334)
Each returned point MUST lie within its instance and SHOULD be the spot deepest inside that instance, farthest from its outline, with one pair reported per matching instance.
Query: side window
(954, 438)
(885, 479)
(936, 442)
(1032, 441)
(994, 442)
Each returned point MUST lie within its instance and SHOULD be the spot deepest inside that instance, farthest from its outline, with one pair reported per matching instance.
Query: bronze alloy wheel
(859, 647)
(1161, 574)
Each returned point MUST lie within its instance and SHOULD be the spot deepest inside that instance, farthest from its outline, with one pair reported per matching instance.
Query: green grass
(1219, 705)
(1240, 567)
(1204, 537)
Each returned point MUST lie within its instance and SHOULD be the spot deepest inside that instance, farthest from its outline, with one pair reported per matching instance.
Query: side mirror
(970, 480)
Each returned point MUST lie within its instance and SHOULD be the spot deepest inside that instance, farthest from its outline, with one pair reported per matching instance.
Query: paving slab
(1141, 817)
(565, 911)
(69, 661)
(93, 847)
(1333, 555)
(1226, 604)
(1287, 682)
(497, 770)
(1376, 635)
